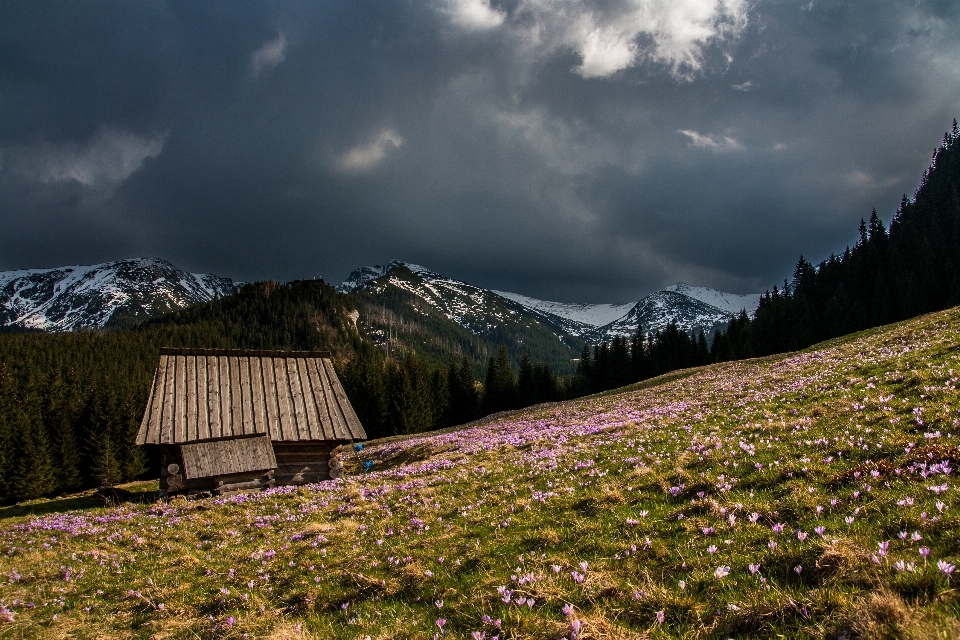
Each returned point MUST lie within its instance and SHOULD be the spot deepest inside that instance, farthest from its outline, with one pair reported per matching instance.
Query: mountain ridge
(100, 295)
(691, 308)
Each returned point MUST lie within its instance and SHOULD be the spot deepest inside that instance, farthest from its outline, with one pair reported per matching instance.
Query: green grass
(667, 492)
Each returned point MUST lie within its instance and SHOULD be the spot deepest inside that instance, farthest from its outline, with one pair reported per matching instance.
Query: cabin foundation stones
(230, 420)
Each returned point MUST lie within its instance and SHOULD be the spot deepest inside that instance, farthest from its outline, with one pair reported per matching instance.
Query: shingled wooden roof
(209, 394)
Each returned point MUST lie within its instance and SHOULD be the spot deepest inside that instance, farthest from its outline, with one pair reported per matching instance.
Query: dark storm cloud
(589, 151)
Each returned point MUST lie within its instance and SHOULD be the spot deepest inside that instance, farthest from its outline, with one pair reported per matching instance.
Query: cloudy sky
(587, 151)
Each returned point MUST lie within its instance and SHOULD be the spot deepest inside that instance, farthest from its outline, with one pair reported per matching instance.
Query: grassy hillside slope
(808, 495)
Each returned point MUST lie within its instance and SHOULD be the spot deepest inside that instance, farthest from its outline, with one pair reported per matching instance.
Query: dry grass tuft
(844, 562)
(601, 628)
(882, 614)
(931, 628)
(611, 496)
(314, 528)
(550, 537)
(289, 631)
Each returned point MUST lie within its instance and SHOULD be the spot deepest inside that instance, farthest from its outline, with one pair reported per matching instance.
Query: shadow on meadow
(137, 492)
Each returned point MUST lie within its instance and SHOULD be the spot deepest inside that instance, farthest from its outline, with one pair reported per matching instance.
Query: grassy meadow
(810, 495)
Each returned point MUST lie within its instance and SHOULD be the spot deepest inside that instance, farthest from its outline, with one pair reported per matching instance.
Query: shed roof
(209, 394)
(224, 457)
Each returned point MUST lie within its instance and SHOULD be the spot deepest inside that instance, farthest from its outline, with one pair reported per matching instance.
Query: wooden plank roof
(210, 394)
(224, 457)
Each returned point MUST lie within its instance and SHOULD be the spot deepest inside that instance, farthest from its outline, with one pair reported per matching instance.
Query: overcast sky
(588, 151)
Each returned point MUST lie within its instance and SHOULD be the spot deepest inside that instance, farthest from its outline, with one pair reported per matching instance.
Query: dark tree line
(620, 362)
(407, 395)
(912, 269)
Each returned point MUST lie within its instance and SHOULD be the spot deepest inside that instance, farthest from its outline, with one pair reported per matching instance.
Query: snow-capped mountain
(359, 277)
(480, 310)
(692, 308)
(729, 302)
(90, 297)
(656, 311)
(405, 306)
(577, 319)
(473, 308)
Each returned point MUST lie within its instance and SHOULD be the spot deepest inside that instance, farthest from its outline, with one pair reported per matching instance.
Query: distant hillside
(408, 307)
(95, 296)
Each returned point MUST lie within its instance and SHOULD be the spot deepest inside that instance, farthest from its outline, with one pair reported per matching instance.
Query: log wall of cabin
(303, 462)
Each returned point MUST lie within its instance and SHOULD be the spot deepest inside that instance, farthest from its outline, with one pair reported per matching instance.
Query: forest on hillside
(71, 403)
(912, 269)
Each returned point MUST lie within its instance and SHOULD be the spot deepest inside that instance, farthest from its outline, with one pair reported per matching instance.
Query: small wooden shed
(230, 420)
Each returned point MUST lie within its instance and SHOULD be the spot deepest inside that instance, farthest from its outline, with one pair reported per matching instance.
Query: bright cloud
(370, 154)
(474, 14)
(613, 36)
(107, 158)
(712, 142)
(269, 55)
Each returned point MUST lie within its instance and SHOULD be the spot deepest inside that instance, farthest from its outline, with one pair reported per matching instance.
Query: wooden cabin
(232, 420)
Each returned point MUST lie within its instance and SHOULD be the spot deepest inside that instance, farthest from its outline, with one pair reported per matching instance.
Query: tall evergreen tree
(526, 385)
(440, 397)
(31, 474)
(500, 389)
(583, 382)
(464, 396)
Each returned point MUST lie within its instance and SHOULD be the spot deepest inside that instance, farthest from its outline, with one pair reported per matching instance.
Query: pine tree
(500, 389)
(584, 375)
(702, 350)
(58, 410)
(8, 403)
(639, 366)
(416, 414)
(526, 386)
(545, 383)
(464, 397)
(440, 392)
(32, 474)
(100, 461)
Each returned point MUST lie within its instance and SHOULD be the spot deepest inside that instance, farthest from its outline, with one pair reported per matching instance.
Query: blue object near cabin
(357, 447)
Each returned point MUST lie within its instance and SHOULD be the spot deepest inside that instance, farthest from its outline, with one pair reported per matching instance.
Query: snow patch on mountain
(364, 275)
(729, 302)
(591, 315)
(656, 311)
(90, 296)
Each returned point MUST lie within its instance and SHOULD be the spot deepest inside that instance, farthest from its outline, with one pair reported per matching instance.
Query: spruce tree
(440, 396)
(59, 413)
(101, 465)
(500, 389)
(464, 401)
(545, 384)
(32, 474)
(526, 386)
(584, 376)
